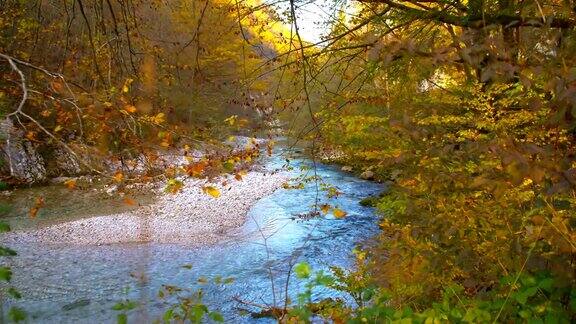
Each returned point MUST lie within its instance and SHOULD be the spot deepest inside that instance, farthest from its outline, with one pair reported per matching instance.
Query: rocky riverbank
(189, 216)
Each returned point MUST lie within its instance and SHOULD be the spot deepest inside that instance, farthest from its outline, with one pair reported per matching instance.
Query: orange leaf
(70, 183)
(57, 86)
(130, 202)
(118, 177)
(195, 169)
(39, 203)
(338, 213)
(130, 109)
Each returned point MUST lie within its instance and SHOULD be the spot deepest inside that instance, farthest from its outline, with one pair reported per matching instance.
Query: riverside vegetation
(465, 108)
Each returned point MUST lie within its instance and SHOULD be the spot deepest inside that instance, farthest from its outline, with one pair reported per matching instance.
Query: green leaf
(197, 312)
(367, 294)
(216, 317)
(130, 304)
(14, 293)
(572, 302)
(122, 318)
(118, 306)
(4, 251)
(302, 270)
(522, 297)
(4, 227)
(16, 314)
(168, 315)
(125, 305)
(547, 284)
(5, 273)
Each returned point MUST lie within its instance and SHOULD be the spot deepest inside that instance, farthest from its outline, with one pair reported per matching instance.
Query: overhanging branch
(442, 16)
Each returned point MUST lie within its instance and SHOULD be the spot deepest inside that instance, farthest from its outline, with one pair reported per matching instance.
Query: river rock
(346, 168)
(22, 160)
(367, 175)
(111, 190)
(66, 163)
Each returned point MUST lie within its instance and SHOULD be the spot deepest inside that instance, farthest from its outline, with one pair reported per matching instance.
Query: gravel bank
(188, 217)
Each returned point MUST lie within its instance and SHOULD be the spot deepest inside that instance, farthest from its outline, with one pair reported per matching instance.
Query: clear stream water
(76, 284)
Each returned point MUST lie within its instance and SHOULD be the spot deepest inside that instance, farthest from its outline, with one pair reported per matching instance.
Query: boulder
(21, 158)
(367, 175)
(346, 168)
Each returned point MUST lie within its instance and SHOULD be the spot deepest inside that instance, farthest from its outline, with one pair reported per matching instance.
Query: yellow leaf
(159, 118)
(126, 86)
(338, 213)
(211, 191)
(325, 208)
(57, 128)
(231, 120)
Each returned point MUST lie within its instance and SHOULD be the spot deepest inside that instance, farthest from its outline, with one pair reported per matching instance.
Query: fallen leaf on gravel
(173, 186)
(195, 169)
(129, 201)
(211, 191)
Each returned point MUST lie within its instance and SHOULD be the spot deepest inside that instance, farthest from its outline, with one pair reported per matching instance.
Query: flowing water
(77, 284)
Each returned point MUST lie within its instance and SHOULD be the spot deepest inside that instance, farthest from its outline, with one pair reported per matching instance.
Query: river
(80, 284)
